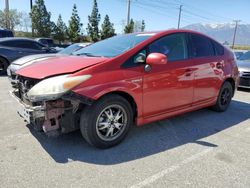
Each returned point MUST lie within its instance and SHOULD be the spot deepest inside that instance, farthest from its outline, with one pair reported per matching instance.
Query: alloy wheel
(111, 122)
(225, 97)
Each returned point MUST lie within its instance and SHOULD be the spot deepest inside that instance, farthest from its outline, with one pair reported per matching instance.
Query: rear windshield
(113, 46)
(70, 49)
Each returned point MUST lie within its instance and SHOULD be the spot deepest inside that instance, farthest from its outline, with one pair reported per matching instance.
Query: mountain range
(224, 32)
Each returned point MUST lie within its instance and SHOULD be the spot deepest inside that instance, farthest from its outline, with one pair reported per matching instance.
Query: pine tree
(60, 30)
(130, 27)
(107, 28)
(94, 19)
(40, 18)
(74, 26)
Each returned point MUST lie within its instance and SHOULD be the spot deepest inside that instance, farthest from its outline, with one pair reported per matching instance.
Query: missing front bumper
(59, 115)
(28, 112)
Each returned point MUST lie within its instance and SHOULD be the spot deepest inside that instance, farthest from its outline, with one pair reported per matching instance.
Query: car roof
(43, 39)
(15, 38)
(5, 30)
(158, 34)
(171, 31)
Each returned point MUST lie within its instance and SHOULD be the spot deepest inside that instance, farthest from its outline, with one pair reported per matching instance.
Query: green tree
(94, 19)
(40, 19)
(9, 20)
(60, 30)
(130, 27)
(107, 28)
(75, 25)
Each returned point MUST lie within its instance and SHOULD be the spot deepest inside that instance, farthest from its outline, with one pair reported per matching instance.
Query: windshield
(114, 46)
(245, 56)
(70, 49)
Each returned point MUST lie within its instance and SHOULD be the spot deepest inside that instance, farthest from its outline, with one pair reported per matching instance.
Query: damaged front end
(53, 111)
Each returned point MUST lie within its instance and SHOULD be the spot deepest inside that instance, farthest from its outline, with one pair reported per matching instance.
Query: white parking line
(161, 174)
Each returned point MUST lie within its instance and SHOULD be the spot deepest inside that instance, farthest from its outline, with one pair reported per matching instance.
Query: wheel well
(232, 82)
(129, 98)
(1, 57)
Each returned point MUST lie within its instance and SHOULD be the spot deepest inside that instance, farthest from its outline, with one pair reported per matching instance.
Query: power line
(150, 9)
(204, 11)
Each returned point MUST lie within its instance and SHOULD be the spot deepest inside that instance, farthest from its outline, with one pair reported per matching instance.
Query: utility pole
(128, 13)
(179, 20)
(7, 13)
(31, 6)
(235, 30)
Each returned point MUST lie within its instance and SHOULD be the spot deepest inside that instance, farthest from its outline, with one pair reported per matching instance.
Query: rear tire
(3, 66)
(224, 97)
(106, 122)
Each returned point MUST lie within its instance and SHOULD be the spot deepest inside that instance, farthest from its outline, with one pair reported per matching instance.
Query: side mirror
(156, 59)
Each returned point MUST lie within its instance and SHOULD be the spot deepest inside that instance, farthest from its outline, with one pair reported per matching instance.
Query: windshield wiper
(88, 54)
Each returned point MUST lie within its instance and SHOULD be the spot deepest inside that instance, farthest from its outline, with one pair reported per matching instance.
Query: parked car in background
(49, 43)
(15, 48)
(238, 53)
(124, 80)
(244, 69)
(28, 60)
(46, 42)
(6, 33)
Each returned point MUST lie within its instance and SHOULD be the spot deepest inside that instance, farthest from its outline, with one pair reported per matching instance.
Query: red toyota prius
(130, 79)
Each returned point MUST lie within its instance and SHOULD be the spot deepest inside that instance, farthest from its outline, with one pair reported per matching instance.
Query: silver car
(28, 60)
(244, 68)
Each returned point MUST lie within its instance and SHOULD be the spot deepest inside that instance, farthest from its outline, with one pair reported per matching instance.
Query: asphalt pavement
(198, 149)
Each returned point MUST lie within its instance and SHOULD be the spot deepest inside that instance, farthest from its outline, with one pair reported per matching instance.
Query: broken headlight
(53, 88)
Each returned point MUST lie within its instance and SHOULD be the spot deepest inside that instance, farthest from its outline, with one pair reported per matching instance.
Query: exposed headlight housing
(53, 88)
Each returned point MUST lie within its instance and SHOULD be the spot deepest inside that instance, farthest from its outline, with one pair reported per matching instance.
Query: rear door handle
(220, 65)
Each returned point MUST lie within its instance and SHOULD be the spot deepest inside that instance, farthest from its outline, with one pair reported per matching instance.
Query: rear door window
(201, 46)
(30, 45)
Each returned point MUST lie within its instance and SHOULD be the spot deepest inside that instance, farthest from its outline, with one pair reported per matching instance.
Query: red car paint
(57, 66)
(164, 91)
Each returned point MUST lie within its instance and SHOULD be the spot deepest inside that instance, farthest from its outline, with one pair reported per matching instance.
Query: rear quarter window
(219, 49)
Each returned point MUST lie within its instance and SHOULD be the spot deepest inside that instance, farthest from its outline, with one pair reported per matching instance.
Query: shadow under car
(148, 139)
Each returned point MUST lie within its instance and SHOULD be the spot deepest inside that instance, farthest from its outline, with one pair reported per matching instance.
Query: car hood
(29, 58)
(243, 65)
(58, 65)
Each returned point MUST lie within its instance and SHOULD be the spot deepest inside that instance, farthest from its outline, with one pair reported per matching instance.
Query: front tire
(106, 122)
(224, 97)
